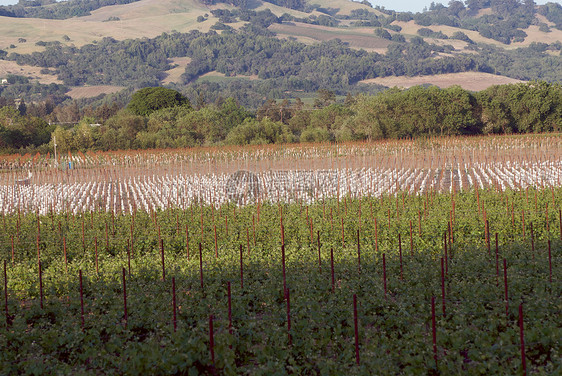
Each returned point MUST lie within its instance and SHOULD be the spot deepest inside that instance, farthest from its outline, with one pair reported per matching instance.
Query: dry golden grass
(535, 35)
(543, 19)
(145, 18)
(174, 74)
(218, 76)
(356, 37)
(92, 91)
(11, 67)
(345, 6)
(474, 81)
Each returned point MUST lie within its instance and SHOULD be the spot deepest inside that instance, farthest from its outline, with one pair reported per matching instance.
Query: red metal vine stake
(283, 262)
(41, 285)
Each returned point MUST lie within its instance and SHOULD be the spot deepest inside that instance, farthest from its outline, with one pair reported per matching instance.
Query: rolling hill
(442, 40)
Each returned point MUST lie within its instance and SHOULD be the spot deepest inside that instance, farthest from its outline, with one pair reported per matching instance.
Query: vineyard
(440, 256)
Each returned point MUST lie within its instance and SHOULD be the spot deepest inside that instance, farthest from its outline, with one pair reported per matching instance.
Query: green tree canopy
(150, 99)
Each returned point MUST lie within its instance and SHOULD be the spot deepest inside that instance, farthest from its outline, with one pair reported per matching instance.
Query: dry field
(146, 18)
(174, 75)
(92, 91)
(218, 76)
(474, 81)
(11, 67)
(357, 38)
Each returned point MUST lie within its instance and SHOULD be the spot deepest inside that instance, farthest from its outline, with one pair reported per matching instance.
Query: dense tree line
(177, 122)
(286, 68)
(294, 65)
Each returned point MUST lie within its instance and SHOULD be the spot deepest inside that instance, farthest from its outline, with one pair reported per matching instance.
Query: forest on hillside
(286, 68)
(163, 118)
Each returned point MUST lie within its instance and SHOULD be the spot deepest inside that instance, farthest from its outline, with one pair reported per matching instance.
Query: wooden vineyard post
(174, 305)
(201, 264)
(125, 314)
(81, 300)
(241, 269)
(332, 265)
(356, 327)
(522, 338)
(6, 296)
(12, 238)
(288, 299)
(433, 330)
